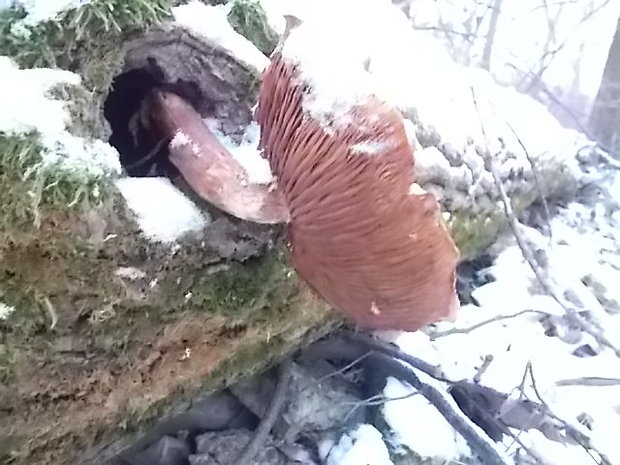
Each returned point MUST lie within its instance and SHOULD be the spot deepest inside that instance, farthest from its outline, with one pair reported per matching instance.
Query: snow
(5, 311)
(364, 445)
(426, 431)
(42, 10)
(28, 106)
(585, 243)
(246, 153)
(211, 23)
(163, 213)
(345, 65)
(370, 147)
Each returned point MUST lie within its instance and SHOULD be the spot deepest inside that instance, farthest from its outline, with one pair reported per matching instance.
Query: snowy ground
(574, 374)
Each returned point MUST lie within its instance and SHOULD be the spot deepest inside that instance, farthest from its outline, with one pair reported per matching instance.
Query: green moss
(473, 233)
(87, 40)
(63, 41)
(29, 186)
(248, 18)
(252, 289)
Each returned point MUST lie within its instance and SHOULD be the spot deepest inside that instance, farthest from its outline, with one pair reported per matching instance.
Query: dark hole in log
(142, 153)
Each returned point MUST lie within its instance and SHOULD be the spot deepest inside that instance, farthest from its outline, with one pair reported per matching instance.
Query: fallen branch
(391, 350)
(589, 381)
(469, 329)
(539, 273)
(476, 439)
(262, 431)
(579, 437)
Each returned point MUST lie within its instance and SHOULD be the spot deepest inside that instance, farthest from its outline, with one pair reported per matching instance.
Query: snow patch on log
(211, 23)
(27, 106)
(163, 213)
(5, 311)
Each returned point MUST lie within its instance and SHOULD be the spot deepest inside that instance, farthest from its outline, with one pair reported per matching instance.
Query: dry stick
(530, 160)
(488, 359)
(369, 341)
(448, 332)
(589, 381)
(531, 452)
(334, 373)
(578, 436)
(463, 425)
(538, 272)
(263, 429)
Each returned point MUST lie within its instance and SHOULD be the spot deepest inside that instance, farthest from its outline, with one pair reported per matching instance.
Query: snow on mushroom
(361, 234)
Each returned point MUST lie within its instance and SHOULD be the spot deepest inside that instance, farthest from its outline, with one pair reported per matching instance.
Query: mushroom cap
(365, 237)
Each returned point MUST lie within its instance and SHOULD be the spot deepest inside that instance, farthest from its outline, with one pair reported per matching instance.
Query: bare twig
(537, 181)
(335, 372)
(574, 433)
(531, 452)
(263, 429)
(539, 273)
(469, 329)
(485, 365)
(378, 399)
(589, 381)
(391, 350)
(481, 445)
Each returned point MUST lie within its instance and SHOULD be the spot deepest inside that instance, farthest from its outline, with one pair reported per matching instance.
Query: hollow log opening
(215, 84)
(142, 152)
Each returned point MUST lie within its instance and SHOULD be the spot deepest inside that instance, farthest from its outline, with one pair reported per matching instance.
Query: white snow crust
(163, 213)
(211, 23)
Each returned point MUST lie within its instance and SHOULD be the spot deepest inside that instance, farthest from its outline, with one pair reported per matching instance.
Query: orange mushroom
(365, 237)
(361, 233)
(205, 164)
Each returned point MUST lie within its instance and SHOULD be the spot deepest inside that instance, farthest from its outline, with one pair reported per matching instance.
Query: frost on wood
(211, 24)
(360, 235)
(27, 106)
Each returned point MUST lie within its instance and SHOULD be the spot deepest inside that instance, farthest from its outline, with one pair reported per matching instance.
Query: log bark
(113, 332)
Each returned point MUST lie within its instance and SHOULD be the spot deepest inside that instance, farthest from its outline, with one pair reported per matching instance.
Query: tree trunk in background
(488, 46)
(605, 116)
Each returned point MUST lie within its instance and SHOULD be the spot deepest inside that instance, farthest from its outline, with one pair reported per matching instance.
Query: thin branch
(589, 381)
(540, 275)
(469, 329)
(335, 373)
(476, 439)
(375, 400)
(537, 181)
(483, 368)
(574, 433)
(262, 431)
(391, 350)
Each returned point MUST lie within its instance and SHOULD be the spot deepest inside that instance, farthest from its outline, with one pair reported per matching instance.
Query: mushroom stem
(206, 165)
